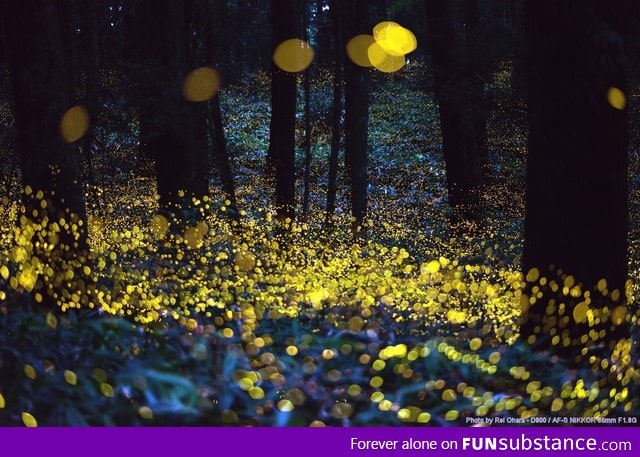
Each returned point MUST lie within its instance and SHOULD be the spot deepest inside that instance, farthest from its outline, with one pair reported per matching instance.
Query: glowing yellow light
(383, 61)
(619, 315)
(316, 297)
(28, 420)
(201, 84)
(475, 344)
(580, 312)
(70, 377)
(245, 383)
(356, 323)
(2, 404)
(533, 275)
(285, 406)
(602, 285)
(451, 415)
(432, 267)
(354, 390)
(256, 393)
(341, 410)
(293, 55)
(159, 226)
(358, 49)
(617, 98)
(74, 123)
(193, 237)
(106, 389)
(145, 412)
(494, 357)
(4, 272)
(456, 317)
(245, 261)
(327, 354)
(385, 405)
(52, 321)
(30, 372)
(394, 39)
(449, 395)
(191, 324)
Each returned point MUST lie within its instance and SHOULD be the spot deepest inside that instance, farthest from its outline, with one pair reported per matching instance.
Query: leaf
(229, 364)
(74, 418)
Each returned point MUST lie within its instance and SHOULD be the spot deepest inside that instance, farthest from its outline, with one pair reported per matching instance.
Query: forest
(319, 212)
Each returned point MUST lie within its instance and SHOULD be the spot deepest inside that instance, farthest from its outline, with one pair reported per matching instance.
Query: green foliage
(91, 370)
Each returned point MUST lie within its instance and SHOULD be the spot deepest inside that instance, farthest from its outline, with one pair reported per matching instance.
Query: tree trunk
(336, 113)
(221, 158)
(3, 40)
(576, 209)
(323, 35)
(307, 117)
(170, 132)
(356, 20)
(281, 155)
(459, 94)
(477, 89)
(40, 98)
(69, 44)
(217, 53)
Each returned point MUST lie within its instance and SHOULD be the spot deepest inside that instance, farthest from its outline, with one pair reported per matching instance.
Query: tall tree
(170, 131)
(356, 20)
(49, 164)
(217, 54)
(281, 154)
(336, 110)
(307, 115)
(323, 32)
(459, 93)
(576, 209)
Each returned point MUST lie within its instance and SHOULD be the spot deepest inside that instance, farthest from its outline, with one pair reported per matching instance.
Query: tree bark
(576, 210)
(307, 116)
(356, 20)
(217, 54)
(50, 168)
(336, 112)
(459, 96)
(221, 158)
(281, 155)
(41, 97)
(170, 131)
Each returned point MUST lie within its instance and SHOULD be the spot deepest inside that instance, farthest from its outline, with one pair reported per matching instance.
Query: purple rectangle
(321, 442)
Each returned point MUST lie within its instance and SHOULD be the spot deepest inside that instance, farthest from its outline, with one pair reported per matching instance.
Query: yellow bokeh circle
(74, 124)
(384, 61)
(159, 226)
(357, 49)
(394, 39)
(201, 84)
(616, 98)
(293, 55)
